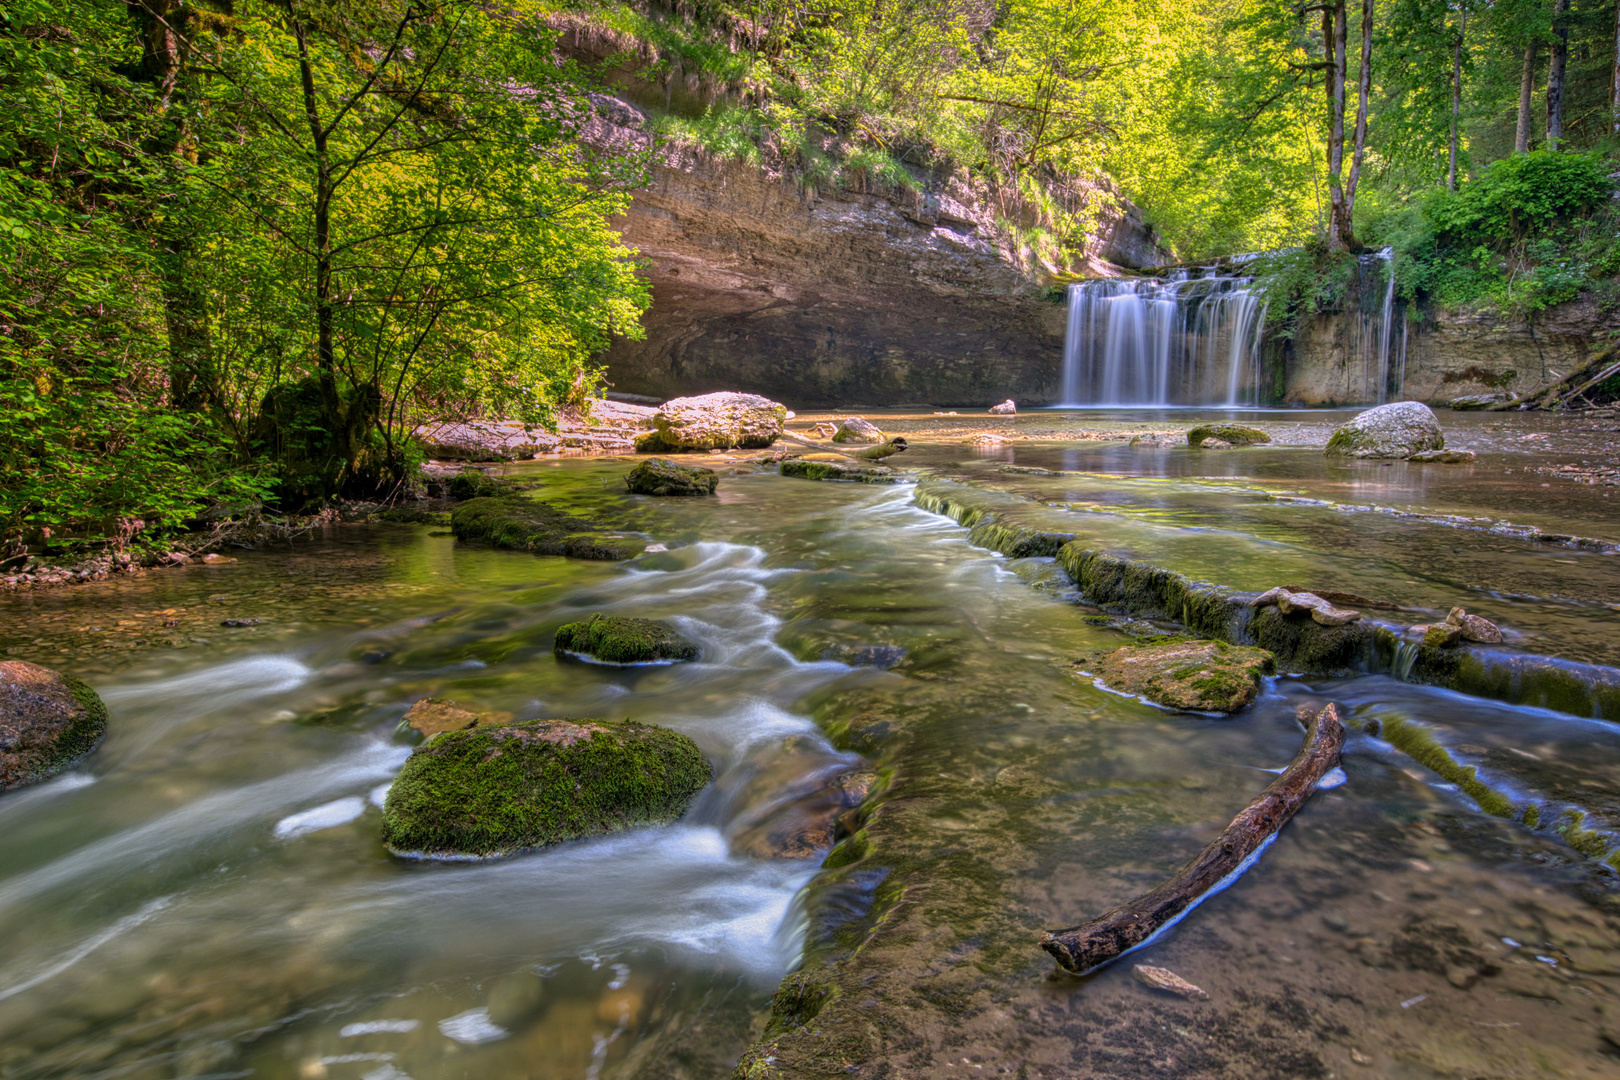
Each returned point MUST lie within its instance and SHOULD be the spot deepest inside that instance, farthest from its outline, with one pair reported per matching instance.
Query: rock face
(714, 422)
(840, 297)
(1194, 676)
(1389, 431)
(659, 476)
(487, 792)
(1230, 434)
(857, 430)
(526, 525)
(614, 639)
(47, 722)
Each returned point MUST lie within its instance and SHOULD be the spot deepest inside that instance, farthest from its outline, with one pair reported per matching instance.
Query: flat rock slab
(616, 639)
(806, 469)
(1192, 676)
(660, 476)
(47, 722)
(435, 716)
(486, 792)
(528, 525)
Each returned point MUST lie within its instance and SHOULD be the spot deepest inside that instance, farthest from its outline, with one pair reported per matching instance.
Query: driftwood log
(1084, 948)
(1555, 394)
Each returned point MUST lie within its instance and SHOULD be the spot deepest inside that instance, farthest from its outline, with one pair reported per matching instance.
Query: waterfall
(1374, 325)
(1192, 338)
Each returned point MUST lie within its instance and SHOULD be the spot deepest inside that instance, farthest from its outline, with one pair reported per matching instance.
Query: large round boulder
(714, 422)
(47, 722)
(660, 476)
(485, 792)
(1389, 431)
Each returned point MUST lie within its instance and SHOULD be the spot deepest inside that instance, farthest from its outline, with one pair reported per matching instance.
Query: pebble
(1165, 979)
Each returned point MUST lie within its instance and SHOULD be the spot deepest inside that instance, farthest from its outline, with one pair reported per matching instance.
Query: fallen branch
(1584, 387)
(1084, 948)
(1548, 394)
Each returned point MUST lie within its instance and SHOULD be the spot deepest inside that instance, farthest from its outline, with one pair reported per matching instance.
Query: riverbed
(207, 895)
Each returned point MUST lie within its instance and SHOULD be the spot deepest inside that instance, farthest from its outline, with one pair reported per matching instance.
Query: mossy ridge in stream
(528, 525)
(616, 639)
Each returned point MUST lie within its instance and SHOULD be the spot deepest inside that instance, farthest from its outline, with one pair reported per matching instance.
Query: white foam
(326, 816)
(1332, 779)
(379, 794)
(378, 1027)
(214, 688)
(472, 1028)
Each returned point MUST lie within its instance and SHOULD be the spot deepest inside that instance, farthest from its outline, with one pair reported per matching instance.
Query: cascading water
(1373, 327)
(1182, 340)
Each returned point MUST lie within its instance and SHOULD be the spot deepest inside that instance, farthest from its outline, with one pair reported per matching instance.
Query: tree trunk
(1334, 32)
(1363, 92)
(1614, 83)
(1456, 100)
(1084, 948)
(1555, 75)
(1527, 83)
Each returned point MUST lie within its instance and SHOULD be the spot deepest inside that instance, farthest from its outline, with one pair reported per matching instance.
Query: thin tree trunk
(1527, 84)
(1614, 84)
(1334, 31)
(1363, 92)
(1456, 100)
(1555, 75)
(325, 349)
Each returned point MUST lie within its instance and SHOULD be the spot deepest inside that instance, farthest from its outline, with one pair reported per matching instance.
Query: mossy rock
(488, 792)
(660, 476)
(833, 470)
(1193, 676)
(47, 722)
(615, 639)
(1235, 434)
(476, 484)
(528, 525)
(411, 516)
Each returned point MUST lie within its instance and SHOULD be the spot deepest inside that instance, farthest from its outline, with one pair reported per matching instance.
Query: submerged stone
(807, 469)
(47, 722)
(488, 792)
(528, 525)
(855, 429)
(660, 476)
(1195, 676)
(1231, 434)
(1443, 457)
(1398, 430)
(616, 639)
(714, 422)
(435, 716)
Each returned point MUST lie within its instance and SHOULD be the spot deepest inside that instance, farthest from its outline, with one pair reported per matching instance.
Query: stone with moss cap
(1398, 430)
(47, 722)
(1194, 676)
(529, 525)
(660, 476)
(489, 792)
(1231, 434)
(714, 422)
(617, 639)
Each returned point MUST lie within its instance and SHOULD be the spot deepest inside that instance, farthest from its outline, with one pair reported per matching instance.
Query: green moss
(797, 1001)
(1589, 842)
(1341, 444)
(491, 791)
(659, 476)
(1532, 816)
(528, 525)
(83, 733)
(832, 470)
(1416, 742)
(1018, 541)
(475, 484)
(412, 516)
(615, 639)
(1236, 434)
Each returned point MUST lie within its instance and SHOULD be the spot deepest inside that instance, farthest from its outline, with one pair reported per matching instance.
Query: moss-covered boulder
(855, 429)
(1194, 676)
(1231, 434)
(714, 422)
(839, 470)
(660, 476)
(1398, 430)
(529, 525)
(615, 639)
(488, 792)
(47, 722)
(477, 484)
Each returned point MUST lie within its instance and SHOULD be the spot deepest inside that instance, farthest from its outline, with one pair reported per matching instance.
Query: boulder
(714, 422)
(1479, 401)
(1389, 431)
(47, 722)
(486, 792)
(1231, 434)
(1443, 457)
(854, 429)
(660, 476)
(530, 525)
(806, 469)
(1193, 676)
(476, 484)
(1474, 628)
(1006, 408)
(616, 639)
(1214, 444)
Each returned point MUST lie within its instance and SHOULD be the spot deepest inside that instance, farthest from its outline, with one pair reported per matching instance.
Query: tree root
(1084, 948)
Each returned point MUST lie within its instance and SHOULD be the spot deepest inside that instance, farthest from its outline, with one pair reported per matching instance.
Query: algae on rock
(528, 525)
(1193, 676)
(47, 722)
(833, 470)
(485, 792)
(616, 639)
(660, 476)
(1231, 434)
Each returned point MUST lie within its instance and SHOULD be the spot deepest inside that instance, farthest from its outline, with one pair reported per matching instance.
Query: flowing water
(206, 895)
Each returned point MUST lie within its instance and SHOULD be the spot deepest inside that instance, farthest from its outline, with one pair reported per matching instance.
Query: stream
(207, 896)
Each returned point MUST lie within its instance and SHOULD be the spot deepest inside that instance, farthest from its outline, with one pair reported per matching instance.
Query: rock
(1231, 434)
(1438, 635)
(1214, 444)
(881, 451)
(660, 476)
(214, 558)
(492, 791)
(435, 716)
(529, 525)
(714, 422)
(985, 438)
(476, 484)
(516, 1000)
(1167, 980)
(1151, 441)
(1443, 457)
(240, 622)
(615, 639)
(806, 469)
(882, 657)
(807, 827)
(47, 722)
(1479, 401)
(855, 429)
(1321, 610)
(1006, 408)
(1389, 431)
(1348, 599)
(484, 440)
(1475, 628)
(1194, 676)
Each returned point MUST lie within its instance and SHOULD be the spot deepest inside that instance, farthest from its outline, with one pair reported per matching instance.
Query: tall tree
(1555, 74)
(1456, 97)
(1527, 86)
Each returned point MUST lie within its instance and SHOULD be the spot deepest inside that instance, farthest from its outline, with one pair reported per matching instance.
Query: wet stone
(660, 476)
(1193, 676)
(434, 716)
(615, 639)
(856, 430)
(1228, 434)
(1398, 430)
(47, 721)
